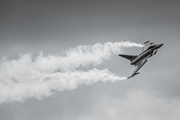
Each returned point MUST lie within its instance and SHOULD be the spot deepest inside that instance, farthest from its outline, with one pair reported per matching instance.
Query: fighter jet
(139, 60)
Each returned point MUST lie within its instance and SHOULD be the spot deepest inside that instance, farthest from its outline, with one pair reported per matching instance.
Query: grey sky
(53, 26)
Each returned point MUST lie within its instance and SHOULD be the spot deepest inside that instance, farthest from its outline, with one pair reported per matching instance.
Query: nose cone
(159, 45)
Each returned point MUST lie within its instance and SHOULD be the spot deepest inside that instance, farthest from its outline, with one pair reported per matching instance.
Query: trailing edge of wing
(129, 57)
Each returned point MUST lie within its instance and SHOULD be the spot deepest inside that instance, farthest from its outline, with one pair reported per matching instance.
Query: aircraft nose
(160, 45)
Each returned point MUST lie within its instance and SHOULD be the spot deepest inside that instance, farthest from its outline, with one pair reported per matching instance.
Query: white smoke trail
(41, 85)
(37, 77)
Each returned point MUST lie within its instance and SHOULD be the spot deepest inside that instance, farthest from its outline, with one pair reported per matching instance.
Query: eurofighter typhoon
(139, 60)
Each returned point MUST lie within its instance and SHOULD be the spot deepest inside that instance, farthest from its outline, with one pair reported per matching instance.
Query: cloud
(39, 76)
(136, 105)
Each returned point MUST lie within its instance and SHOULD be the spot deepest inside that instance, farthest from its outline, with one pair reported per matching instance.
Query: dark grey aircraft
(139, 60)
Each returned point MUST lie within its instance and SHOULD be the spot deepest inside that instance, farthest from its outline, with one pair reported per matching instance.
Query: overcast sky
(56, 25)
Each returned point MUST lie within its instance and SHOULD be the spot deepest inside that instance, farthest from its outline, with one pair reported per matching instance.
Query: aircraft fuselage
(147, 52)
(139, 60)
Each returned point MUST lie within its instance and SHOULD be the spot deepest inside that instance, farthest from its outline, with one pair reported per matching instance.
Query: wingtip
(147, 42)
(129, 77)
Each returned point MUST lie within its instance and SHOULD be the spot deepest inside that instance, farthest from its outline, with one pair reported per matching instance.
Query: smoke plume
(39, 76)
